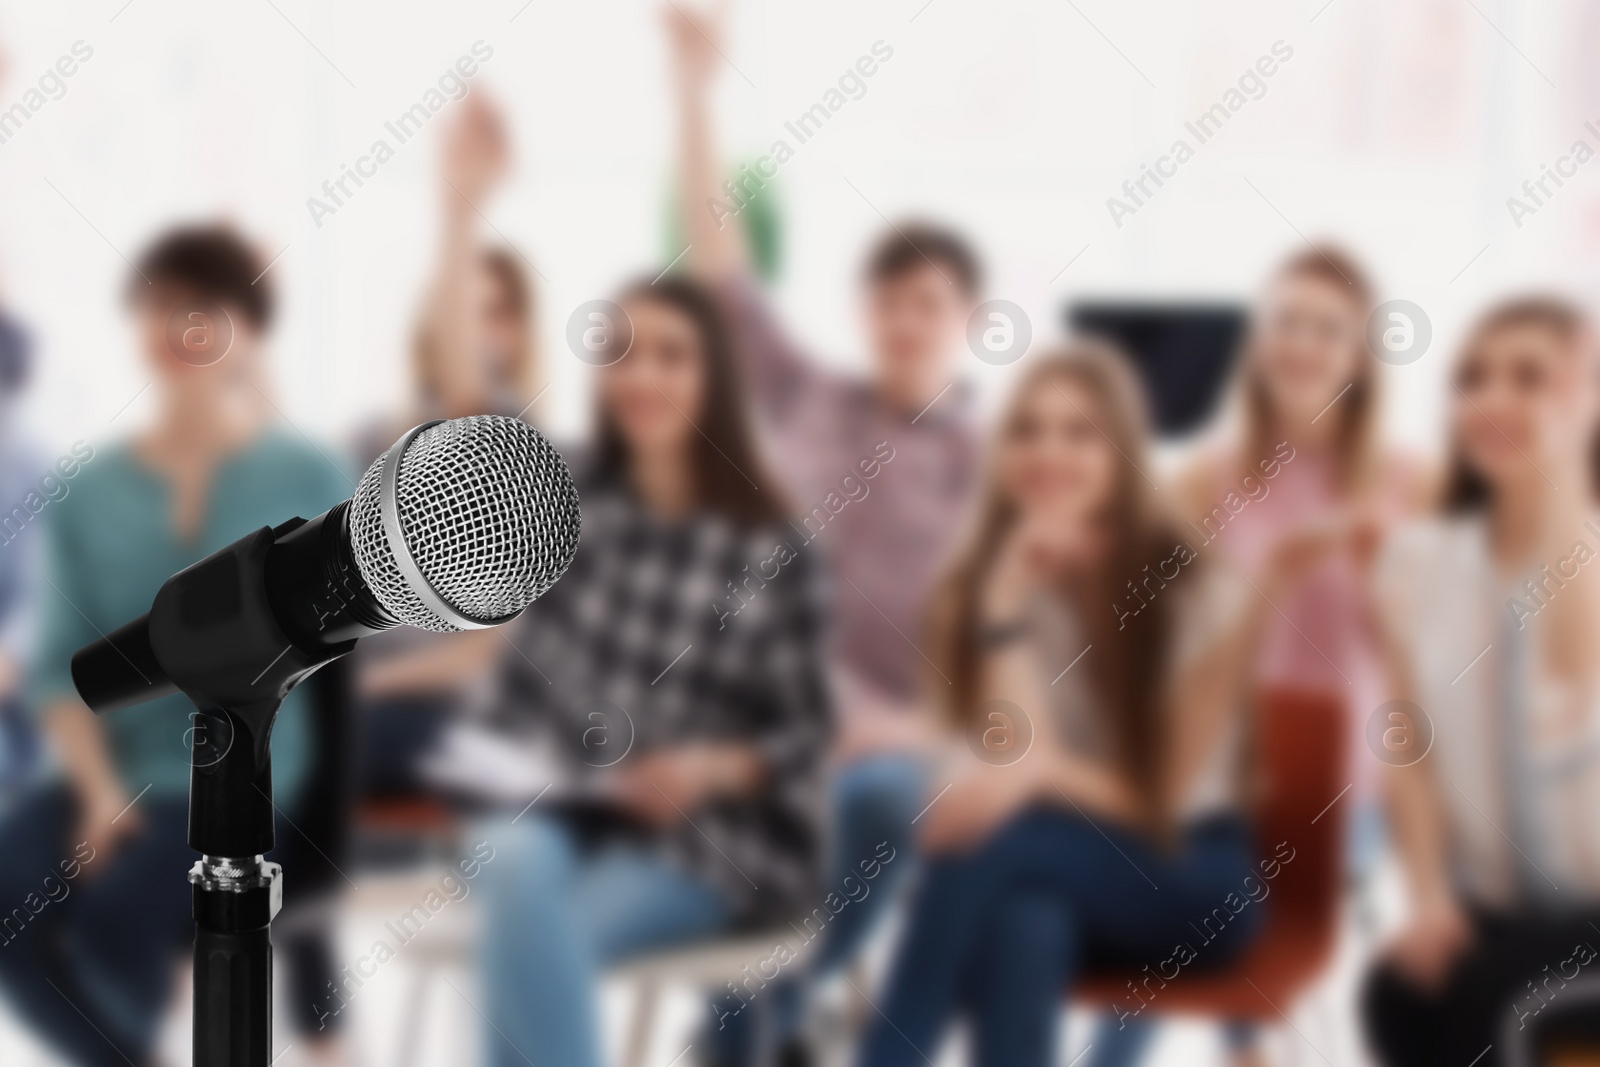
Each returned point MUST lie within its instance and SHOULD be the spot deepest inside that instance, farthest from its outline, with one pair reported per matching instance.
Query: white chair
(708, 965)
(450, 938)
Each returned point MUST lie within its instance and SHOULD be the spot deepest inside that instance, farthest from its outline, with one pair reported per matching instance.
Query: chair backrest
(1303, 806)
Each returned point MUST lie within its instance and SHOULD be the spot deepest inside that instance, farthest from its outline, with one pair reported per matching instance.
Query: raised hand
(477, 150)
(696, 41)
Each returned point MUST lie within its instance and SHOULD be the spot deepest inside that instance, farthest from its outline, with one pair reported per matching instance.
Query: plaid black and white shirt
(643, 644)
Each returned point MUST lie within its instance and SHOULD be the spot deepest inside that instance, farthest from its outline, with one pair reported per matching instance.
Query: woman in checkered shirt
(676, 675)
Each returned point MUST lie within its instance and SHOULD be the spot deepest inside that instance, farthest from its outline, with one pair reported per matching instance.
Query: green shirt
(111, 544)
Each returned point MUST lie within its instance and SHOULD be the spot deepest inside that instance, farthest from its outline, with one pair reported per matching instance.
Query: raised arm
(776, 371)
(717, 248)
(473, 164)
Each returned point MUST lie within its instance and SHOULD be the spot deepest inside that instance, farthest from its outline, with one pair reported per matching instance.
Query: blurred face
(1052, 459)
(656, 392)
(199, 351)
(1525, 405)
(503, 327)
(915, 321)
(1309, 341)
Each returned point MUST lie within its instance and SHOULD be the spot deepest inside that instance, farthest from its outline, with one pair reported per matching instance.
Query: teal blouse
(110, 545)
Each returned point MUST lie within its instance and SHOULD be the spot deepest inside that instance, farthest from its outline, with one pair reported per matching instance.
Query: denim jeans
(874, 800)
(87, 962)
(556, 916)
(1003, 930)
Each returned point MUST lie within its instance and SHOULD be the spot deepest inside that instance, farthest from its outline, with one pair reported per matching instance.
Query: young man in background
(880, 469)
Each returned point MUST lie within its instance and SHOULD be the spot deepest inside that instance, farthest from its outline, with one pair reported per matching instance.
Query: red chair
(1302, 748)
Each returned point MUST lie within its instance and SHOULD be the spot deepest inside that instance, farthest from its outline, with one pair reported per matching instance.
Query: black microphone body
(313, 591)
(235, 632)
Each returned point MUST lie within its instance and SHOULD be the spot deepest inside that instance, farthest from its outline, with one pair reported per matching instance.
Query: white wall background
(1399, 129)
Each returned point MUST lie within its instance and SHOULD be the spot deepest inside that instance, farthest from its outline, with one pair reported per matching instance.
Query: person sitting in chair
(676, 671)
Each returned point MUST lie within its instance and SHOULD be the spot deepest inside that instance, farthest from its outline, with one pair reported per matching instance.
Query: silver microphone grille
(464, 523)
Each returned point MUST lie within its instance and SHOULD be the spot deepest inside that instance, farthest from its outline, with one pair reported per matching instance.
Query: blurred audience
(689, 742)
(96, 908)
(880, 469)
(1493, 618)
(1114, 821)
(473, 354)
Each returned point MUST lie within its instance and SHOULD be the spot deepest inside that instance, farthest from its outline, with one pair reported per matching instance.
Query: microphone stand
(212, 633)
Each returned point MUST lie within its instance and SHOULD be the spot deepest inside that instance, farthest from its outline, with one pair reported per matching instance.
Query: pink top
(1322, 636)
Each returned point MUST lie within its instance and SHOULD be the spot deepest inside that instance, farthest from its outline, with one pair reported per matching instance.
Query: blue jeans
(874, 800)
(555, 917)
(107, 937)
(1002, 931)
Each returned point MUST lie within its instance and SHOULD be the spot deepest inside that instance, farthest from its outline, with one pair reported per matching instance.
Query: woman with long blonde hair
(1309, 393)
(1093, 663)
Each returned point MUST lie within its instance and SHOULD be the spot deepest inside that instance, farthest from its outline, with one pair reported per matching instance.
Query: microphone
(460, 525)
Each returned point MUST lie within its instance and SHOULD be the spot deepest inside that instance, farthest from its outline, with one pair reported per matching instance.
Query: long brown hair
(508, 273)
(1356, 445)
(1128, 664)
(729, 476)
(1465, 489)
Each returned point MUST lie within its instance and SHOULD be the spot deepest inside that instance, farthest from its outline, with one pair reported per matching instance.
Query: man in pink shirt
(879, 472)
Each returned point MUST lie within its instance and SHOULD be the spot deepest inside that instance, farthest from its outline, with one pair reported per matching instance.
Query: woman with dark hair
(1492, 616)
(674, 679)
(1107, 746)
